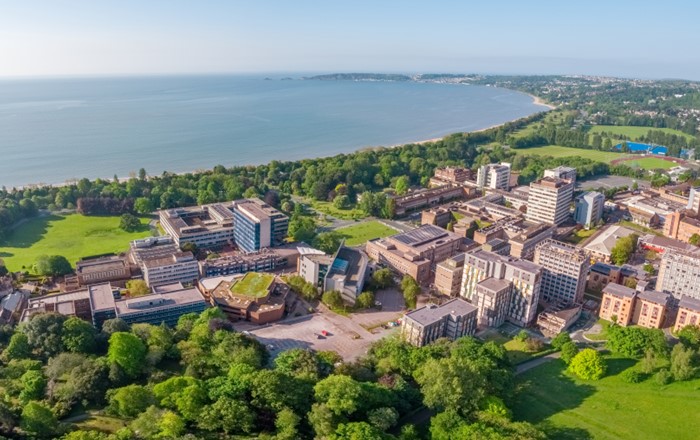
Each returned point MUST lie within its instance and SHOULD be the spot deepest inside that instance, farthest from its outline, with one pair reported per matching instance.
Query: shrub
(332, 299)
(568, 351)
(588, 364)
(521, 336)
(534, 344)
(663, 377)
(632, 376)
(559, 340)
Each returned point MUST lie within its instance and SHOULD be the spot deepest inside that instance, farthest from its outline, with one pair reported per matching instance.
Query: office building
(344, 271)
(258, 225)
(265, 260)
(448, 275)
(549, 200)
(523, 276)
(564, 271)
(494, 176)
(152, 248)
(451, 175)
(451, 320)
(589, 209)
(562, 172)
(113, 269)
(688, 313)
(207, 226)
(256, 297)
(679, 274)
(417, 252)
(179, 267)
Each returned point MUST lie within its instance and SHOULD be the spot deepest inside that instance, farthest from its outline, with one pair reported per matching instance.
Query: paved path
(529, 365)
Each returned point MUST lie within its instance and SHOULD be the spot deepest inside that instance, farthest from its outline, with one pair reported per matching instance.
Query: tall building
(207, 226)
(679, 274)
(178, 267)
(565, 268)
(524, 278)
(494, 176)
(448, 275)
(694, 200)
(562, 172)
(344, 271)
(589, 208)
(549, 200)
(451, 320)
(258, 225)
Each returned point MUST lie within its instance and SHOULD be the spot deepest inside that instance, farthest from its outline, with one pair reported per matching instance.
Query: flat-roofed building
(448, 275)
(438, 216)
(11, 306)
(680, 225)
(179, 267)
(494, 176)
(688, 313)
(497, 246)
(565, 268)
(166, 305)
(348, 273)
(424, 198)
(256, 297)
(549, 200)
(68, 304)
(258, 225)
(650, 309)
(600, 274)
(207, 226)
(589, 209)
(679, 273)
(451, 175)
(417, 252)
(600, 246)
(618, 302)
(112, 268)
(562, 172)
(524, 237)
(451, 320)
(492, 298)
(152, 248)
(265, 260)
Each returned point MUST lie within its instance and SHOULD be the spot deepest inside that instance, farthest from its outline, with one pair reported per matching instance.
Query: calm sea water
(60, 129)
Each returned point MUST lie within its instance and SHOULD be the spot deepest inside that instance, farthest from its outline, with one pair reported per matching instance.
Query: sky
(626, 38)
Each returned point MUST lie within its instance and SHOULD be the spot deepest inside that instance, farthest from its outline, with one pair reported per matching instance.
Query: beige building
(256, 297)
(645, 308)
(451, 320)
(451, 175)
(437, 216)
(448, 275)
(417, 252)
(600, 247)
(688, 313)
(549, 200)
(179, 267)
(564, 272)
(618, 302)
(650, 309)
(492, 298)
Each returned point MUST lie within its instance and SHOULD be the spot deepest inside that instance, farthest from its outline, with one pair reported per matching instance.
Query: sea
(57, 130)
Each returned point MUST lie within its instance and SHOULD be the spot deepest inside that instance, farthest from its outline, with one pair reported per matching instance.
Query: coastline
(535, 99)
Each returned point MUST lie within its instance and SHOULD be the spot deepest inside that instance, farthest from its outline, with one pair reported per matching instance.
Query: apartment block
(258, 225)
(451, 320)
(589, 209)
(417, 252)
(679, 273)
(565, 268)
(680, 225)
(448, 275)
(494, 176)
(492, 298)
(646, 308)
(618, 302)
(179, 267)
(549, 200)
(688, 313)
(650, 309)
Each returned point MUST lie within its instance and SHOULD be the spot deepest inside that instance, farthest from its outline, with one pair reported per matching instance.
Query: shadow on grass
(564, 432)
(618, 365)
(31, 232)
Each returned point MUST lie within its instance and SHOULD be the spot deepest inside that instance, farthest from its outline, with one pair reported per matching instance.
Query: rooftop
(101, 297)
(420, 236)
(494, 284)
(654, 296)
(605, 269)
(432, 313)
(605, 240)
(253, 284)
(172, 295)
(619, 290)
(689, 303)
(177, 257)
(101, 264)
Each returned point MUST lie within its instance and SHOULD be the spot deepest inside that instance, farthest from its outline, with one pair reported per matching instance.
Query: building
(682, 225)
(600, 274)
(649, 210)
(562, 172)
(452, 320)
(417, 252)
(492, 298)
(688, 313)
(494, 176)
(437, 216)
(600, 247)
(589, 209)
(430, 197)
(451, 175)
(345, 271)
(265, 260)
(694, 201)
(523, 276)
(549, 200)
(258, 225)
(679, 274)
(522, 236)
(618, 304)
(650, 309)
(565, 268)
(11, 306)
(448, 275)
(207, 226)
(179, 267)
(107, 269)
(151, 248)
(497, 246)
(555, 320)
(256, 297)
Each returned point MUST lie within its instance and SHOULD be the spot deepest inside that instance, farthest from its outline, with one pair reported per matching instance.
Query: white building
(589, 209)
(549, 200)
(565, 268)
(494, 176)
(179, 267)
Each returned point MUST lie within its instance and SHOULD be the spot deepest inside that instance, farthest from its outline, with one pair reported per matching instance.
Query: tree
(694, 239)
(402, 185)
(127, 351)
(328, 242)
(383, 278)
(114, 325)
(37, 419)
(33, 386)
(79, 336)
(682, 358)
(357, 431)
(299, 363)
(648, 268)
(54, 265)
(623, 249)
(559, 340)
(634, 341)
(18, 348)
(129, 222)
(365, 300)
(287, 423)
(453, 383)
(411, 290)
(144, 205)
(383, 418)
(690, 336)
(228, 415)
(568, 352)
(189, 247)
(137, 288)
(45, 334)
(341, 201)
(129, 401)
(301, 228)
(332, 299)
(588, 364)
(341, 395)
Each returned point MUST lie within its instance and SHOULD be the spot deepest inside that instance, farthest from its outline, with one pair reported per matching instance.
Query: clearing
(569, 408)
(634, 132)
(360, 233)
(74, 236)
(559, 151)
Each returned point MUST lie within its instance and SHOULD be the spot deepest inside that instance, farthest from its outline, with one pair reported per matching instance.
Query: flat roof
(253, 284)
(429, 314)
(158, 301)
(420, 236)
(619, 290)
(494, 284)
(100, 264)
(101, 297)
(690, 303)
(653, 296)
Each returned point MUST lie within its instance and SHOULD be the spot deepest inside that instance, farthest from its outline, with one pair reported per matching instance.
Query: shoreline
(535, 100)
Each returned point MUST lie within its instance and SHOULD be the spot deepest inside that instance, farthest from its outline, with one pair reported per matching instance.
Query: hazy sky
(88, 37)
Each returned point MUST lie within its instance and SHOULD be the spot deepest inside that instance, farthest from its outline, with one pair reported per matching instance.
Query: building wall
(686, 317)
(589, 209)
(564, 274)
(549, 204)
(679, 275)
(183, 272)
(448, 279)
(621, 307)
(169, 315)
(649, 314)
(492, 307)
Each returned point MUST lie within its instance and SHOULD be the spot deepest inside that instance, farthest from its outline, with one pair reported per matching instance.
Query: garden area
(73, 236)
(360, 233)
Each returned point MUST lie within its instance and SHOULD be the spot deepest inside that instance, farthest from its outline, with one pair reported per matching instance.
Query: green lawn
(634, 132)
(554, 117)
(650, 163)
(517, 351)
(330, 209)
(569, 408)
(603, 334)
(559, 151)
(253, 284)
(73, 236)
(580, 235)
(362, 232)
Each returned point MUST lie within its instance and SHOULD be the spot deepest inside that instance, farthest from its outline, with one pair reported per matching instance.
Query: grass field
(578, 236)
(559, 151)
(517, 351)
(554, 117)
(253, 284)
(360, 233)
(73, 236)
(610, 408)
(330, 209)
(634, 132)
(650, 163)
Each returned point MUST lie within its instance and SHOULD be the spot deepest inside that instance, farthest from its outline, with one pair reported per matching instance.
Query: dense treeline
(204, 380)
